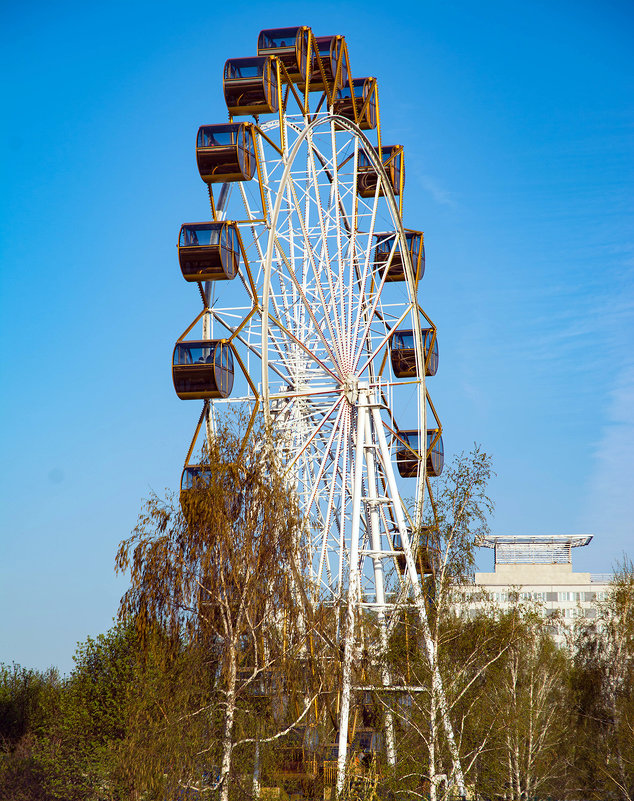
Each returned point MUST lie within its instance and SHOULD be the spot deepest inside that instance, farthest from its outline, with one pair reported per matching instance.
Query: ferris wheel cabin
(262, 686)
(368, 741)
(195, 476)
(396, 269)
(403, 353)
(298, 757)
(291, 46)
(250, 85)
(225, 153)
(209, 251)
(195, 479)
(331, 51)
(408, 455)
(345, 100)
(426, 556)
(202, 369)
(367, 178)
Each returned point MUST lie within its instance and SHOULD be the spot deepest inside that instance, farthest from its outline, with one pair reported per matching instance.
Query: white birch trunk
(433, 735)
(227, 734)
(256, 770)
(419, 602)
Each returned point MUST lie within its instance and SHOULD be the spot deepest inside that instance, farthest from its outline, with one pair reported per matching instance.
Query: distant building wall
(541, 572)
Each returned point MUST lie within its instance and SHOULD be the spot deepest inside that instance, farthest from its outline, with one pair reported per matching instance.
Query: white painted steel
(314, 350)
(353, 593)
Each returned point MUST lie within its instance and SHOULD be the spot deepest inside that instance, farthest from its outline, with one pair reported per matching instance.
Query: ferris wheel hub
(350, 388)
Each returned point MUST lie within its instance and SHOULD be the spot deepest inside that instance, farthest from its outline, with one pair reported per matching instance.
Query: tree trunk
(227, 734)
(433, 735)
(256, 770)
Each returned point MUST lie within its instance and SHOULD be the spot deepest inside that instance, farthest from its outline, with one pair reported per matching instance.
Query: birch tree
(530, 701)
(603, 686)
(215, 583)
(457, 517)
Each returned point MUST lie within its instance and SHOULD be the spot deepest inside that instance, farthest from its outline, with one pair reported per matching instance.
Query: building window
(570, 596)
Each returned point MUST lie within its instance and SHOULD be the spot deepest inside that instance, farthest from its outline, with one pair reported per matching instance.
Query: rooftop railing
(601, 578)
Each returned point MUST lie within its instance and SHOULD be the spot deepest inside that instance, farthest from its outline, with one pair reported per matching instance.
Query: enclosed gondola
(408, 454)
(368, 741)
(332, 51)
(202, 369)
(259, 685)
(297, 756)
(195, 479)
(195, 476)
(425, 557)
(250, 85)
(226, 153)
(396, 269)
(209, 251)
(363, 95)
(403, 353)
(291, 46)
(367, 176)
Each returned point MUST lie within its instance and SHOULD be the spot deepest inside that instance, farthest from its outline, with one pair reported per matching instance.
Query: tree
(29, 700)
(603, 690)
(25, 700)
(62, 737)
(214, 579)
(456, 518)
(529, 701)
(83, 747)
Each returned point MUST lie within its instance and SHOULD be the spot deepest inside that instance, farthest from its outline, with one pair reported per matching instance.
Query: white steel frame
(317, 350)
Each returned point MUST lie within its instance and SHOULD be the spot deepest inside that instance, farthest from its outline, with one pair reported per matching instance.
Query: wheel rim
(325, 325)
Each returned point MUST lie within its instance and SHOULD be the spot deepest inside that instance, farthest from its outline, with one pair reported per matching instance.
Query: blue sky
(517, 122)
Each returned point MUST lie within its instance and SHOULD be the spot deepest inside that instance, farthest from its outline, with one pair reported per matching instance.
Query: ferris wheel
(311, 318)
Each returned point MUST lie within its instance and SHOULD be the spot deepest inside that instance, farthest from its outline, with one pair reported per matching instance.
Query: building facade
(538, 568)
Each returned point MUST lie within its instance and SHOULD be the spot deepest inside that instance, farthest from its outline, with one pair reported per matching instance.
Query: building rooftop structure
(533, 559)
(534, 548)
(531, 567)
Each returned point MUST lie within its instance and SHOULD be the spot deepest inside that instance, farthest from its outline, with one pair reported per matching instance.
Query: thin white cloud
(441, 195)
(610, 507)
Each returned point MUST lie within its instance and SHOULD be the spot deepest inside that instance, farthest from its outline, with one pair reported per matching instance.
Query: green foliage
(176, 715)
(27, 701)
(62, 736)
(603, 693)
(219, 654)
(79, 751)
(212, 596)
(459, 512)
(529, 704)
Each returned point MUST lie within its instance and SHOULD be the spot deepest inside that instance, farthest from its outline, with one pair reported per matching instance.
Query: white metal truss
(318, 351)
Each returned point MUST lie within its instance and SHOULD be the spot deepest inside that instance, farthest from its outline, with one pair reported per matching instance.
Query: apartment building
(539, 568)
